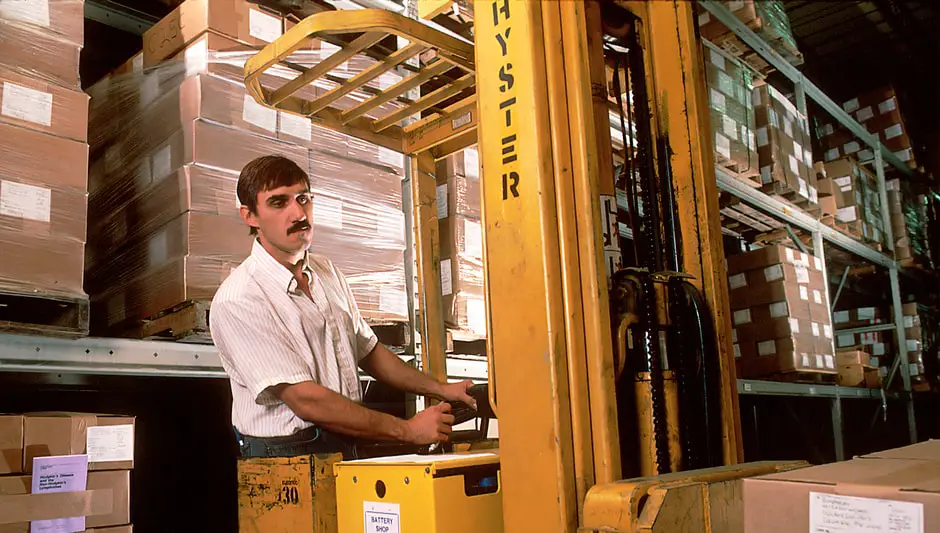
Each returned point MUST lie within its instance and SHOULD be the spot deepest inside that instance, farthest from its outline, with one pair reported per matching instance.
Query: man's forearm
(386, 367)
(337, 413)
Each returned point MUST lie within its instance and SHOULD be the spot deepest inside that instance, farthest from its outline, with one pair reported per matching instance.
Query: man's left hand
(457, 392)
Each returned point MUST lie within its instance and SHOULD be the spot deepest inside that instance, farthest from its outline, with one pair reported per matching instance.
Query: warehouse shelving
(803, 89)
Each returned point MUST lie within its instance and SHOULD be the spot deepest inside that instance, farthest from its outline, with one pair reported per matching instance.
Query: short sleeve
(254, 350)
(364, 338)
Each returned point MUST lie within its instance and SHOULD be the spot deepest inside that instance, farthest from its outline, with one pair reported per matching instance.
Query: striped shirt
(269, 332)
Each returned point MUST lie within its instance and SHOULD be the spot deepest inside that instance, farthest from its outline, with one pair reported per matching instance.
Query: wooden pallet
(187, 322)
(749, 174)
(36, 314)
(394, 334)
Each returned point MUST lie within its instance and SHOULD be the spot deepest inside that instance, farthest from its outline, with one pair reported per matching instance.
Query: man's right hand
(431, 425)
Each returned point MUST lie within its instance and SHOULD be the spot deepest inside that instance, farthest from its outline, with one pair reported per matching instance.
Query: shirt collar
(275, 270)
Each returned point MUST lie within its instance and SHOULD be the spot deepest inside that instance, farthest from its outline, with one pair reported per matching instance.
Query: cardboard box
(795, 353)
(35, 103)
(119, 483)
(307, 483)
(236, 19)
(770, 293)
(57, 213)
(849, 493)
(110, 490)
(731, 114)
(59, 433)
(783, 144)
(41, 52)
(43, 266)
(116, 529)
(64, 161)
(853, 366)
(768, 256)
(457, 195)
(64, 19)
(11, 444)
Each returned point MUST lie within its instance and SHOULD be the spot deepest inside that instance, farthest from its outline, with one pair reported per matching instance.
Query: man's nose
(297, 212)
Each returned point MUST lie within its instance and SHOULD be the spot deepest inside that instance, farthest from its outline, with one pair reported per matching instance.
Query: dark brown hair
(265, 173)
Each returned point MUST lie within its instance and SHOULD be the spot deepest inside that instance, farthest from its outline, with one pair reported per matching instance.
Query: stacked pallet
(878, 110)
(43, 167)
(880, 346)
(857, 369)
(781, 315)
(458, 213)
(171, 131)
(732, 117)
(851, 201)
(767, 18)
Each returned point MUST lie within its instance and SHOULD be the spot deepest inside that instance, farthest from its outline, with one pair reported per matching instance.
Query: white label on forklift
(442, 201)
(472, 238)
(263, 26)
(817, 296)
(893, 131)
(737, 281)
(381, 517)
(742, 316)
(296, 126)
(25, 201)
(718, 100)
(722, 145)
(851, 147)
(887, 106)
(31, 11)
(832, 154)
(110, 443)
(804, 293)
(762, 136)
(255, 113)
(851, 105)
(832, 513)
(27, 104)
(779, 309)
(717, 59)
(730, 127)
(864, 114)
(447, 278)
(794, 325)
(773, 273)
(767, 348)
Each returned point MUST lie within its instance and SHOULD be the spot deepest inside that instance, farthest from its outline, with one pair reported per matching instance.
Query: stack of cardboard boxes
(899, 227)
(732, 116)
(879, 112)
(767, 18)
(108, 442)
(880, 346)
(850, 195)
(172, 129)
(914, 347)
(458, 213)
(780, 313)
(783, 147)
(857, 368)
(43, 150)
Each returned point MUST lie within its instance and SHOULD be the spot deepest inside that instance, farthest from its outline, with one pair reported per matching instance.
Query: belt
(304, 435)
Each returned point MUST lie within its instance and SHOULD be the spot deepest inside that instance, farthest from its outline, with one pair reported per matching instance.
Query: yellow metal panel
(523, 278)
(455, 120)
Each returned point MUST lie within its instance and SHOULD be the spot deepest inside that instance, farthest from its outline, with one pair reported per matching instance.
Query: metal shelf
(805, 390)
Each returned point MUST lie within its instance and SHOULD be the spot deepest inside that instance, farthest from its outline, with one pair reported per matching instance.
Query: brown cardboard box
(457, 194)
(59, 433)
(44, 212)
(769, 293)
(41, 52)
(11, 444)
(731, 114)
(797, 353)
(39, 265)
(236, 19)
(64, 162)
(63, 18)
(465, 163)
(47, 107)
(768, 256)
(776, 328)
(783, 144)
(849, 494)
(119, 483)
(116, 529)
(466, 312)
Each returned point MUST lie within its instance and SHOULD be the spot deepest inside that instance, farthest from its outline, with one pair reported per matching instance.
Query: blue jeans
(308, 441)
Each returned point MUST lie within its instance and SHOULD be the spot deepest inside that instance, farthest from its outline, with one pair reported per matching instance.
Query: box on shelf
(28, 100)
(107, 439)
(42, 53)
(854, 368)
(732, 119)
(11, 444)
(111, 489)
(767, 18)
(458, 185)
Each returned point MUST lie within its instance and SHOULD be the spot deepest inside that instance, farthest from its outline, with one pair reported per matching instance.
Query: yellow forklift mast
(531, 92)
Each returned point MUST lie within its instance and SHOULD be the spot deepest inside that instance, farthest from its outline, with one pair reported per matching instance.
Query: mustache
(300, 225)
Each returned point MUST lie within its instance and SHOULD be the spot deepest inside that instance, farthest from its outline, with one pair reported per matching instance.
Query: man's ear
(248, 216)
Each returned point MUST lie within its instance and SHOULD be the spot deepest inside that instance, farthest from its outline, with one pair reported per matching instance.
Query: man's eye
(303, 198)
(277, 204)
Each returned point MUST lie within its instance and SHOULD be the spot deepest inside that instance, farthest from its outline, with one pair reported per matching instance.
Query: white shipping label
(737, 351)
(766, 348)
(913, 345)
(804, 187)
(865, 313)
(815, 327)
(476, 315)
(25, 103)
(827, 331)
(730, 127)
(851, 147)
(820, 361)
(762, 136)
(296, 126)
(797, 149)
(851, 105)
(717, 100)
(259, 115)
(149, 89)
(447, 278)
(913, 370)
(735, 5)
(30, 11)
(717, 59)
(381, 517)
(765, 176)
(794, 325)
(442, 209)
(391, 157)
(813, 195)
(327, 212)
(830, 362)
(25, 201)
(742, 316)
(394, 301)
(817, 296)
(864, 114)
(472, 238)
(908, 321)
(832, 513)
(263, 26)
(845, 340)
(722, 145)
(157, 249)
(804, 293)
(847, 214)
(737, 281)
(904, 155)
(866, 154)
(773, 273)
(471, 163)
(887, 106)
(802, 273)
(110, 443)
(794, 164)
(827, 130)
(808, 157)
(832, 154)
(817, 263)
(161, 163)
(734, 335)
(779, 309)
(804, 259)
(788, 252)
(196, 58)
(843, 182)
(788, 127)
(703, 19)
(874, 361)
(725, 84)
(804, 358)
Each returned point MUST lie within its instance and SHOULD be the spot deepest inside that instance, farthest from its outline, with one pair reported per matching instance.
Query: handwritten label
(830, 513)
(27, 104)
(110, 443)
(381, 517)
(25, 201)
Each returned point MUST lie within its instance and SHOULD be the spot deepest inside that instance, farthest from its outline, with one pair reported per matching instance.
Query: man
(291, 337)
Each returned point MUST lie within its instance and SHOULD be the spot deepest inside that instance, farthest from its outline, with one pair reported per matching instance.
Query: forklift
(610, 363)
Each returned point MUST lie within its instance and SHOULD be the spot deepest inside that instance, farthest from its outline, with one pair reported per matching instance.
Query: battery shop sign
(502, 23)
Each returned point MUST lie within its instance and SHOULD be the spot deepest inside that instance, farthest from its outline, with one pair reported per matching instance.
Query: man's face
(284, 218)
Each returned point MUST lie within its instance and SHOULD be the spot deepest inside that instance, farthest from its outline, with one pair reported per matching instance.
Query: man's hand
(457, 392)
(431, 425)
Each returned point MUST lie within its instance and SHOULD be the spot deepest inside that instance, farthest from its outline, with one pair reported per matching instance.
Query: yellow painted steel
(428, 493)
